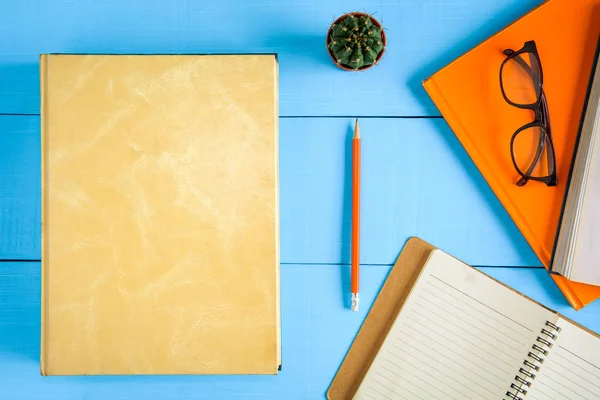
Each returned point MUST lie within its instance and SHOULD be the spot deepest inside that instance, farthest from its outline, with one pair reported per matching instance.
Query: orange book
(467, 92)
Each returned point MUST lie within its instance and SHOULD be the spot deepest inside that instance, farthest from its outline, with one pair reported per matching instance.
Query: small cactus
(355, 41)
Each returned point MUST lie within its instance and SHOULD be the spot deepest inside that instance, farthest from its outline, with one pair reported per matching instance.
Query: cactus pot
(329, 38)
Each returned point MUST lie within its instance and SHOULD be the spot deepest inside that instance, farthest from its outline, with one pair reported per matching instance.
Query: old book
(160, 249)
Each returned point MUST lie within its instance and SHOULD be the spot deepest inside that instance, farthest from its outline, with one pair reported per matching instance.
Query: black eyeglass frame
(541, 116)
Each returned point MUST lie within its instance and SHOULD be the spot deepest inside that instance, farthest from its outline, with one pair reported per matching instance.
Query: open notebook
(462, 335)
(577, 255)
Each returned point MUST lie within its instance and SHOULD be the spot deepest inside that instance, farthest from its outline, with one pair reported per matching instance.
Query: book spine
(277, 213)
(533, 362)
(44, 181)
(494, 181)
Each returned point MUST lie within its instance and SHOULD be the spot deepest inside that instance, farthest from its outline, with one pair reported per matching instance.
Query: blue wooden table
(417, 178)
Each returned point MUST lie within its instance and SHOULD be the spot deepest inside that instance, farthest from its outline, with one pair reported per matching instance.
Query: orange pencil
(355, 215)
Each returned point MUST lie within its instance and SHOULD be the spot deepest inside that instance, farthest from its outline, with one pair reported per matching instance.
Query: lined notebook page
(572, 368)
(460, 335)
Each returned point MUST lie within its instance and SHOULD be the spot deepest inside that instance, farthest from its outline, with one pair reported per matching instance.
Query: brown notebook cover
(160, 215)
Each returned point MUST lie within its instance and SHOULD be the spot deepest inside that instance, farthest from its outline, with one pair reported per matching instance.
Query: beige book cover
(160, 243)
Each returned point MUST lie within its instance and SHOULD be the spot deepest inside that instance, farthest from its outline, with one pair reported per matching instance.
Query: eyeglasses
(522, 85)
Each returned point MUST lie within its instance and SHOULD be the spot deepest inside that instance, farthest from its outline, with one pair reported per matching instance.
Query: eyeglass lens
(520, 79)
(531, 151)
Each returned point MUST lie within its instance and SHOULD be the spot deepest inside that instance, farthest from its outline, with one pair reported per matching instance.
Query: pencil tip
(356, 129)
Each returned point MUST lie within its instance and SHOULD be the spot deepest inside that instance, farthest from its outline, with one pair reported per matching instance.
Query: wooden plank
(317, 330)
(417, 180)
(20, 202)
(423, 37)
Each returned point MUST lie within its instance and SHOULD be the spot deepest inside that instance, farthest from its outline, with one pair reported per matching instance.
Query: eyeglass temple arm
(533, 72)
(546, 121)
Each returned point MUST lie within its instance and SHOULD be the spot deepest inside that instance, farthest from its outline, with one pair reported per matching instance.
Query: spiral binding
(533, 361)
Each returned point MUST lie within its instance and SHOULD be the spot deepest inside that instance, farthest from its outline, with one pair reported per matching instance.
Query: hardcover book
(467, 92)
(160, 243)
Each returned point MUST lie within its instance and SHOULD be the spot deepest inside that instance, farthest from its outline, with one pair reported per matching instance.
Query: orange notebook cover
(467, 92)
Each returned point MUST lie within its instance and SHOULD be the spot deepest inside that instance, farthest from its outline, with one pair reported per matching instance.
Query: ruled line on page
(436, 379)
(483, 304)
(486, 362)
(496, 321)
(485, 366)
(580, 358)
(387, 397)
(483, 332)
(561, 393)
(430, 366)
(413, 375)
(425, 372)
(516, 328)
(385, 386)
(396, 385)
(569, 375)
(562, 384)
(564, 377)
(466, 341)
(546, 396)
(453, 361)
(579, 375)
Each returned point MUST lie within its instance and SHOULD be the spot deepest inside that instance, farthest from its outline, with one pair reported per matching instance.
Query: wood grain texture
(20, 205)
(422, 36)
(316, 336)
